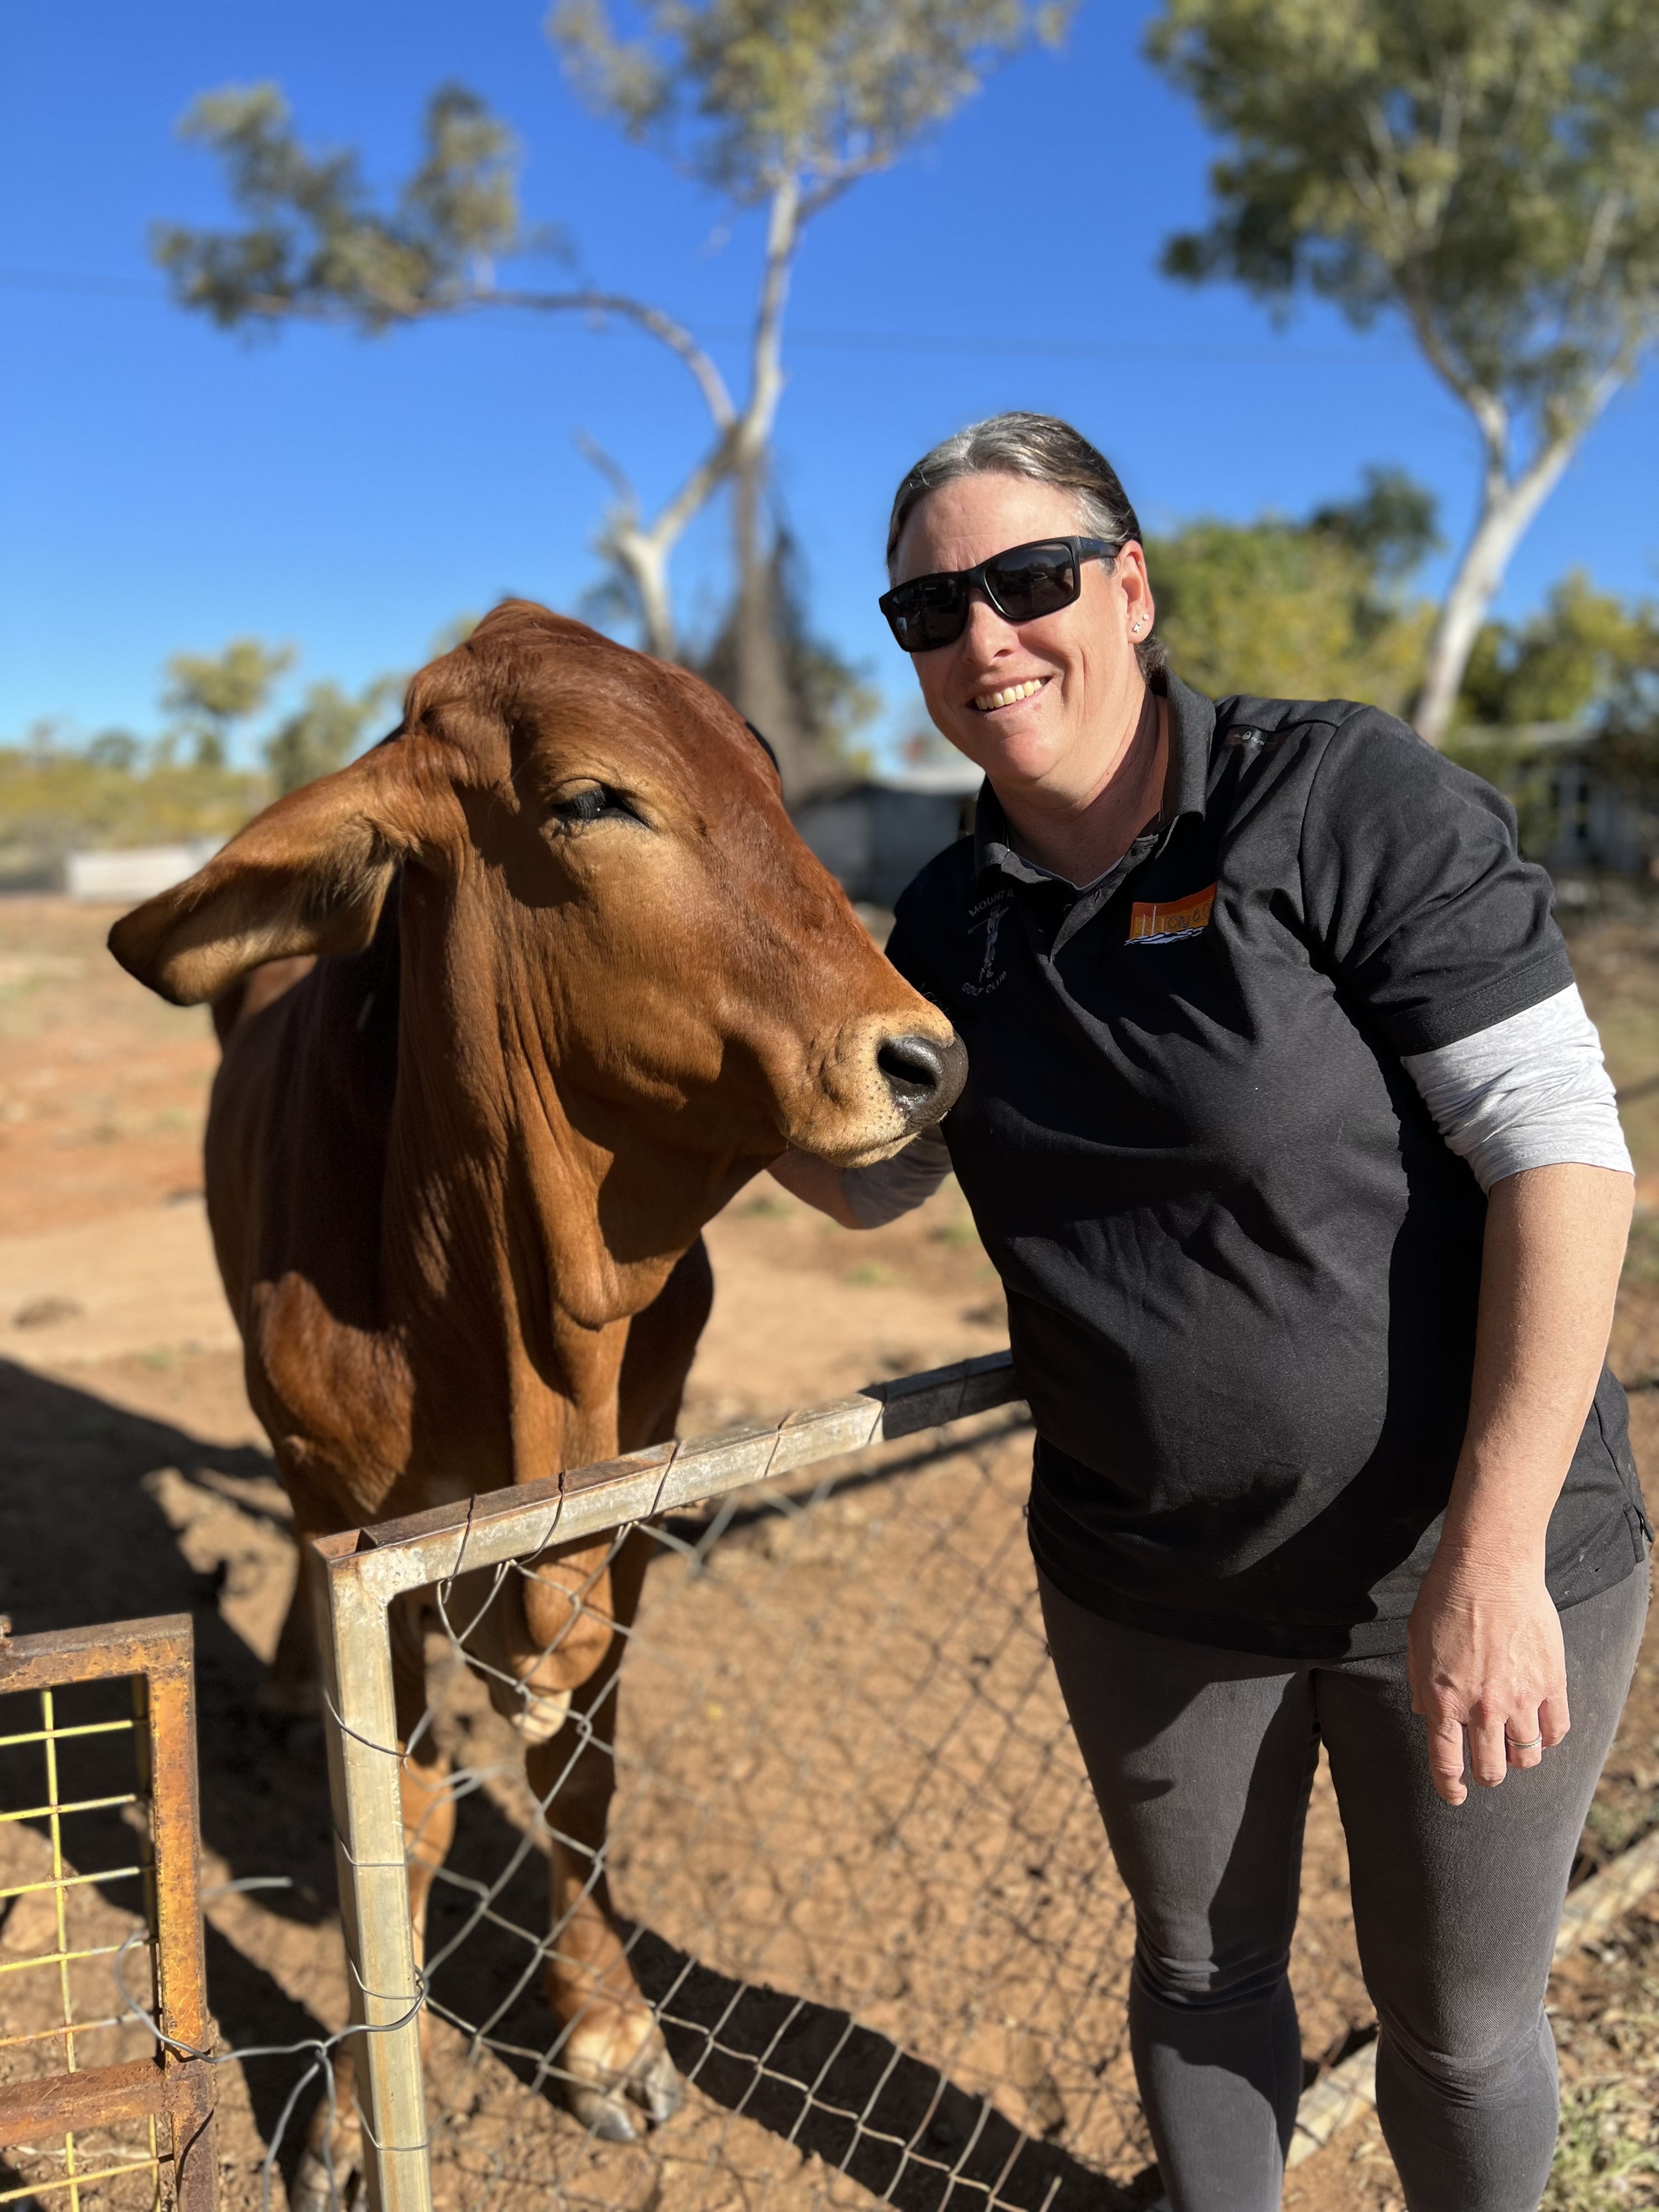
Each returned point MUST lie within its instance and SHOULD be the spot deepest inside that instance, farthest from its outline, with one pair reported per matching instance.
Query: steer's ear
(308, 875)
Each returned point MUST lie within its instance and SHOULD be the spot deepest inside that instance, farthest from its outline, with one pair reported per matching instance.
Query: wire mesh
(100, 1942)
(76, 1890)
(852, 1857)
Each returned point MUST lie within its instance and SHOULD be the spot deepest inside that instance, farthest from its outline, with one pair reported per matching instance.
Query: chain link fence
(856, 1879)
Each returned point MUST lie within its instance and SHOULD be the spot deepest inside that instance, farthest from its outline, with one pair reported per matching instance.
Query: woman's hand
(1484, 1645)
(1484, 1654)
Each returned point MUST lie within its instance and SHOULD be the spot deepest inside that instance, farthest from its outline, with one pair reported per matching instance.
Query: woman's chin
(1024, 752)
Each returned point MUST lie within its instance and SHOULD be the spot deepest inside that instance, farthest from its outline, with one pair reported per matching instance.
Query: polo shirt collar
(1186, 782)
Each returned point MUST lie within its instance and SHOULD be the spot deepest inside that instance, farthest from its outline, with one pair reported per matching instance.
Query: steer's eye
(592, 802)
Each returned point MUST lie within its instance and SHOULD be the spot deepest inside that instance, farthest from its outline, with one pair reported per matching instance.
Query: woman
(1292, 1142)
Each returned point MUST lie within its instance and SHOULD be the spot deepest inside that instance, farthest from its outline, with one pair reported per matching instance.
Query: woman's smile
(1011, 694)
(992, 703)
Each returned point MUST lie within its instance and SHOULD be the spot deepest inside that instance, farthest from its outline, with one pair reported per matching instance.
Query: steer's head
(610, 927)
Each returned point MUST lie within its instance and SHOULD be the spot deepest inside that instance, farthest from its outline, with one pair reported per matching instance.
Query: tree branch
(678, 340)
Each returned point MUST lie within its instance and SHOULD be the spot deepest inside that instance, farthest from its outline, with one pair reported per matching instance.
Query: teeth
(987, 702)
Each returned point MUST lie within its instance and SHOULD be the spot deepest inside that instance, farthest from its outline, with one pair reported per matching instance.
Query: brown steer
(538, 983)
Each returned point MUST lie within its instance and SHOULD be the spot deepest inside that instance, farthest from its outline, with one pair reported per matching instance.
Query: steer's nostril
(923, 1075)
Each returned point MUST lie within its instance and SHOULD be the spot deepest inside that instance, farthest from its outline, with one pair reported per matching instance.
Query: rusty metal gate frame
(357, 1574)
(158, 1655)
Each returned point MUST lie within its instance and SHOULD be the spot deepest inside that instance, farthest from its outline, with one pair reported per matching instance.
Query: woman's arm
(1484, 1639)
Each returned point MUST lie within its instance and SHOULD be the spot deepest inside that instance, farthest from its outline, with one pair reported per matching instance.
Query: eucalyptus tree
(775, 106)
(1488, 171)
(206, 693)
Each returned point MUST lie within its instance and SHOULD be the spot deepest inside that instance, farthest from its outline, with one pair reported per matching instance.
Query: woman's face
(1045, 707)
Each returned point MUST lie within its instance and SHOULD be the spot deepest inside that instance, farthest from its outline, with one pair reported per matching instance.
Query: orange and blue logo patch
(1152, 924)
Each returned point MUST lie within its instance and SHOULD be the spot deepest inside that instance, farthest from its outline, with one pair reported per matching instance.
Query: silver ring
(1536, 1742)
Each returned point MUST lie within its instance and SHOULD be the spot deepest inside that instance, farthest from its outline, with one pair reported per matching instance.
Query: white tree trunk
(645, 556)
(1506, 511)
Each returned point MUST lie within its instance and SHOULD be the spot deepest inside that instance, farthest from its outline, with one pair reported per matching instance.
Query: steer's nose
(923, 1075)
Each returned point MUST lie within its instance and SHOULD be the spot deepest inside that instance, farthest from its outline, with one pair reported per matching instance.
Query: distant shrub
(56, 799)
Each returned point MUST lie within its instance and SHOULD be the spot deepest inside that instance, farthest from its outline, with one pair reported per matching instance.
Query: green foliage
(1586, 659)
(116, 790)
(1491, 166)
(1392, 525)
(313, 241)
(747, 93)
(1601, 2150)
(1583, 648)
(206, 692)
(323, 734)
(54, 799)
(1313, 609)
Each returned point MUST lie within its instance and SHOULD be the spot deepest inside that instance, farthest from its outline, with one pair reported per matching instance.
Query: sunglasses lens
(1033, 580)
(929, 612)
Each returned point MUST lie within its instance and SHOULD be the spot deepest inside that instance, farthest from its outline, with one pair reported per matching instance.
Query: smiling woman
(1292, 1142)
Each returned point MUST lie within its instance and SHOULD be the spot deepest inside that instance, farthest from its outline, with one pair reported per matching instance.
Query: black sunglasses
(1021, 584)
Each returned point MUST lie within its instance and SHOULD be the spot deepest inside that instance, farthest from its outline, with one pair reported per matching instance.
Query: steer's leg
(293, 1688)
(617, 2066)
(335, 2143)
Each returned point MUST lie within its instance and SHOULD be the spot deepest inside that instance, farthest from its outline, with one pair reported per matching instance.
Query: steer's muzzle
(923, 1075)
(883, 1080)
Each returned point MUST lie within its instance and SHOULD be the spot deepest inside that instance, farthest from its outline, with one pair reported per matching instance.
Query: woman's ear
(308, 875)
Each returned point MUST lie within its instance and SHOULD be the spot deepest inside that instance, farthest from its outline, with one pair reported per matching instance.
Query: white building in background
(123, 878)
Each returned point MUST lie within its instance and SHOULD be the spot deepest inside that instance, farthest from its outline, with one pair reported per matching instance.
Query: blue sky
(167, 486)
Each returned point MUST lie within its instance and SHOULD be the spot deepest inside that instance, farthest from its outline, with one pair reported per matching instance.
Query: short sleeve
(1416, 897)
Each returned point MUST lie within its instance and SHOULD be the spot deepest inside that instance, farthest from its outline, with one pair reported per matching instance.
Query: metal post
(181, 1965)
(363, 1761)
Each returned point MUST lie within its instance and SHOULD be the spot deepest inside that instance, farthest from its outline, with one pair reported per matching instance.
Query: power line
(1172, 351)
(56, 279)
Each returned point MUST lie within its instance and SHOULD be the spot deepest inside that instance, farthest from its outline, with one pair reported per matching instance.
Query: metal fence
(860, 1888)
(98, 1848)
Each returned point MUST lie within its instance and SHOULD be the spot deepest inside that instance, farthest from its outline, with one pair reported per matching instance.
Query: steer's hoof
(651, 2092)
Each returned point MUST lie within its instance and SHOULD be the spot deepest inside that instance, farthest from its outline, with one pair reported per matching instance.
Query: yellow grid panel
(102, 2160)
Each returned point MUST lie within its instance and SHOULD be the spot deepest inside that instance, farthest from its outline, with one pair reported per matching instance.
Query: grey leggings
(1202, 1760)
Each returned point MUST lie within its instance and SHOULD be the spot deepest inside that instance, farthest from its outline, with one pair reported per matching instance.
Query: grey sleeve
(881, 1194)
(1527, 1092)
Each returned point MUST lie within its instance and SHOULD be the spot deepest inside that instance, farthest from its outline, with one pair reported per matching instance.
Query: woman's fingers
(1489, 1756)
(1488, 1674)
(1553, 1717)
(1524, 1739)
(1446, 1760)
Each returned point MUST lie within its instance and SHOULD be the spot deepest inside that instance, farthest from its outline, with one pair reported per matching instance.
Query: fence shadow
(808, 2073)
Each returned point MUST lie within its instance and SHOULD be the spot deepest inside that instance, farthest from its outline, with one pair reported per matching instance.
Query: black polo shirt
(1241, 1265)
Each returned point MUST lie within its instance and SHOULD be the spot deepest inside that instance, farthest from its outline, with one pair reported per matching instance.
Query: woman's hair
(1047, 451)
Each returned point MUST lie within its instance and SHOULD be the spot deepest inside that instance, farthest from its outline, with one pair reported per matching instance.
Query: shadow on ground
(81, 1541)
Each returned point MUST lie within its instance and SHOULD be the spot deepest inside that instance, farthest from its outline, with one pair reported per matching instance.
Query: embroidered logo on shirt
(1152, 924)
(989, 974)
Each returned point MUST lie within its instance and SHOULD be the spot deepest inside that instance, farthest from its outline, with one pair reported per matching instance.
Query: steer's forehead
(569, 700)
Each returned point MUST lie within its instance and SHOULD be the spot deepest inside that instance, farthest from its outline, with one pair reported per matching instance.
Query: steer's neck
(514, 1310)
